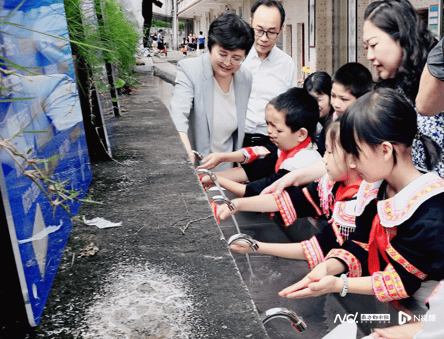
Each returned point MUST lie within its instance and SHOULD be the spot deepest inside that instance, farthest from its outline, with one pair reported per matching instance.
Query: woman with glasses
(210, 98)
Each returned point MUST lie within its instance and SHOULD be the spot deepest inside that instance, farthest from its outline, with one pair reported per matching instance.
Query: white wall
(296, 12)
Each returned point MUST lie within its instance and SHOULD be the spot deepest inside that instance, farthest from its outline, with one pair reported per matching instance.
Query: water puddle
(159, 303)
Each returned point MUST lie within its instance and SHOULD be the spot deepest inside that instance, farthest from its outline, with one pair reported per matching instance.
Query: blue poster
(40, 118)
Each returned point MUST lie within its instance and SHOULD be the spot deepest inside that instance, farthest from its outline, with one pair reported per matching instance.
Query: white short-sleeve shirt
(271, 77)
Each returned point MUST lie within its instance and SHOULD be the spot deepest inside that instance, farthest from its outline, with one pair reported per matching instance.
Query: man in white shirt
(273, 70)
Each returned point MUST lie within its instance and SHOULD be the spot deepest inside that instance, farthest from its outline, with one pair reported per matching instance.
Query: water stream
(272, 274)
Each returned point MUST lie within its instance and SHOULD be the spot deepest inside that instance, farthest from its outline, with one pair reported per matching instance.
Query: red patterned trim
(395, 211)
(311, 201)
(341, 213)
(339, 238)
(313, 252)
(325, 186)
(363, 245)
(379, 288)
(286, 208)
(387, 285)
(354, 266)
(435, 291)
(367, 192)
(343, 220)
(397, 281)
(396, 256)
(253, 153)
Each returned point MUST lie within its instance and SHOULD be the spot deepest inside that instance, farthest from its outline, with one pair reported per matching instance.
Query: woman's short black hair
(319, 82)
(400, 20)
(381, 115)
(230, 32)
(269, 4)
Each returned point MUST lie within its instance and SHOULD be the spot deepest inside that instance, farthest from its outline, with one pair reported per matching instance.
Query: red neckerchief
(377, 242)
(347, 192)
(289, 154)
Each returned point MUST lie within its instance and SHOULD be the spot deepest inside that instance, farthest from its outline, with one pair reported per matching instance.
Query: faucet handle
(281, 312)
(245, 238)
(198, 155)
(225, 200)
(207, 172)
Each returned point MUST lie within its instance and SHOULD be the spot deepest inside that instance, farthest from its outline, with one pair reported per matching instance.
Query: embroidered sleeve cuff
(387, 285)
(435, 291)
(396, 256)
(311, 201)
(253, 153)
(353, 264)
(313, 252)
(286, 208)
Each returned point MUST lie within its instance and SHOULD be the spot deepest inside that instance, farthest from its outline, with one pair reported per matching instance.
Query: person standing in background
(147, 13)
(201, 41)
(273, 70)
(160, 41)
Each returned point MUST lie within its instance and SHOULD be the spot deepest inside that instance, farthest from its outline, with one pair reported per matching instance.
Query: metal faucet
(225, 200)
(207, 172)
(199, 156)
(245, 238)
(280, 312)
(213, 177)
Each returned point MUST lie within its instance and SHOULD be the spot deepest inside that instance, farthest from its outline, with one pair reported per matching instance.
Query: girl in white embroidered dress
(329, 197)
(377, 132)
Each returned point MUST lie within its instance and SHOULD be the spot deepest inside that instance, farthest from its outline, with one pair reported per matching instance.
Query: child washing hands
(291, 121)
(333, 197)
(398, 240)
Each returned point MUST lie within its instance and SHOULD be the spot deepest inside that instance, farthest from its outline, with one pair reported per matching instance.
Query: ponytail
(432, 151)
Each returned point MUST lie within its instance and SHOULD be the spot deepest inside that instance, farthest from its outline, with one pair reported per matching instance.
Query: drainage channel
(267, 275)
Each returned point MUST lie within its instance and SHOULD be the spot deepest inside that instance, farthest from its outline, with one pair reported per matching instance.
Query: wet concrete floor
(167, 271)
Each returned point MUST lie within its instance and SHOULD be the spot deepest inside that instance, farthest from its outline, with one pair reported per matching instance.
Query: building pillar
(175, 45)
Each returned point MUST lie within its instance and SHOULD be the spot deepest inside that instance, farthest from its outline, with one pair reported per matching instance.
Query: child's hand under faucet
(241, 247)
(222, 212)
(206, 182)
(306, 285)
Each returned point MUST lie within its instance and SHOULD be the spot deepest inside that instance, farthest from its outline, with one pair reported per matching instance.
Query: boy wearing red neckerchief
(291, 121)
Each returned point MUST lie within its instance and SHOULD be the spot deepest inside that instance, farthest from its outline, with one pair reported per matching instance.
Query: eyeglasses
(270, 35)
(224, 58)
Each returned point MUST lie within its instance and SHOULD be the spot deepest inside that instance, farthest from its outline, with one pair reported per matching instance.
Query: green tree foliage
(111, 31)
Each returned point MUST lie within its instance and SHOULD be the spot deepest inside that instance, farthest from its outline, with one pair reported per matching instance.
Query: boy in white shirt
(291, 121)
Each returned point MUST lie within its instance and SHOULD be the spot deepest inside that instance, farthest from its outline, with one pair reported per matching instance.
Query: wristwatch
(344, 286)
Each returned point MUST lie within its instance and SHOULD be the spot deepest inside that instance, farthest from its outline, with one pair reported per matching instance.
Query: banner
(40, 118)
